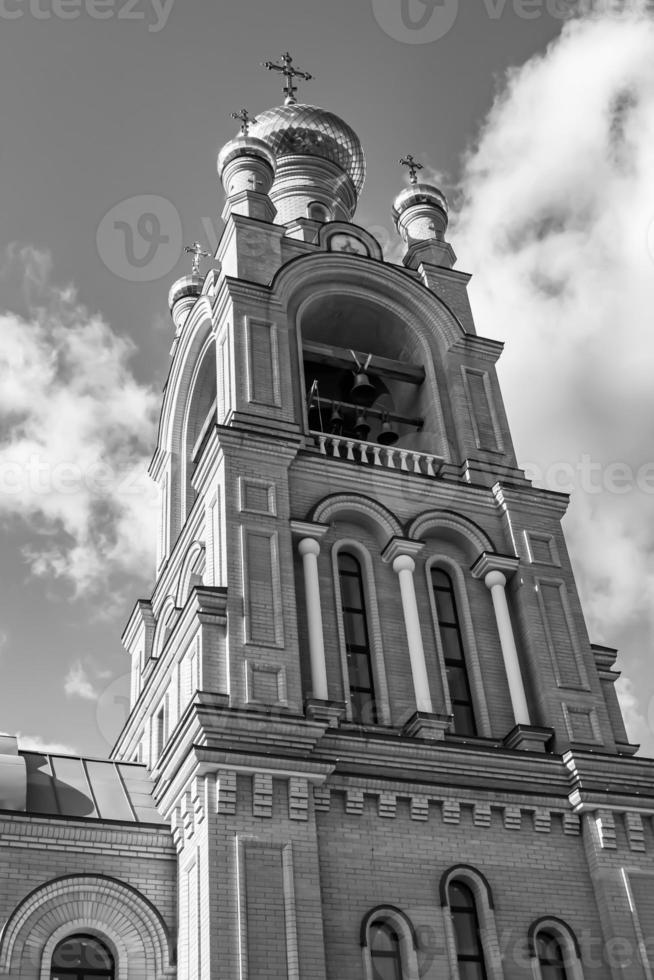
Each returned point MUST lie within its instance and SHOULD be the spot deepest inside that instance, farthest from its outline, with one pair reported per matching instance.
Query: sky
(537, 119)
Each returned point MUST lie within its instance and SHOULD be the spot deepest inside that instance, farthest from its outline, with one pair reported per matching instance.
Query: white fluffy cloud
(556, 219)
(77, 683)
(76, 431)
(36, 743)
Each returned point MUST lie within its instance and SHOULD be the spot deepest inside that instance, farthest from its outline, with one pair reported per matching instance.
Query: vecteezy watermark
(37, 476)
(140, 239)
(593, 477)
(416, 21)
(154, 12)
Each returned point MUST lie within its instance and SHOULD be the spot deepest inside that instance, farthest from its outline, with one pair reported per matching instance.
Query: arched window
(390, 945)
(467, 936)
(385, 953)
(555, 951)
(551, 957)
(453, 653)
(357, 640)
(82, 958)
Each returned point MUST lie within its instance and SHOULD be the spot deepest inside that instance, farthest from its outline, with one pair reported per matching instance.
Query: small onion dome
(182, 298)
(420, 213)
(246, 164)
(295, 129)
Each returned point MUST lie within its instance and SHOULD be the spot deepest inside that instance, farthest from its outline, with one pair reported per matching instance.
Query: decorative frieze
(571, 824)
(542, 820)
(481, 814)
(322, 798)
(354, 801)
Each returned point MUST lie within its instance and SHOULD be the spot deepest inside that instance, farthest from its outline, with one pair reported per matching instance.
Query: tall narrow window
(357, 643)
(385, 952)
(550, 957)
(469, 951)
(82, 958)
(453, 652)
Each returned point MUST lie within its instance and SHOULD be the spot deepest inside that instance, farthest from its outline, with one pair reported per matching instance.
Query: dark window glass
(82, 958)
(453, 651)
(385, 952)
(357, 643)
(550, 957)
(469, 950)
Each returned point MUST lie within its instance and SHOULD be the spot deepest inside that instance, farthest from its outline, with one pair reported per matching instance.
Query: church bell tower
(363, 684)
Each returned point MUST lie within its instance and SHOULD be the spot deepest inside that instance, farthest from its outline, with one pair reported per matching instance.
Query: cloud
(78, 684)
(555, 212)
(35, 743)
(76, 431)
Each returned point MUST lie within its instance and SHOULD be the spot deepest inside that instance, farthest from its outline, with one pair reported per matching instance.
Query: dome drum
(302, 182)
(182, 297)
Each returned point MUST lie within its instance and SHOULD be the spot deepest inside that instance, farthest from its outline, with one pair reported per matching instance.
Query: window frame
(400, 923)
(568, 943)
(485, 909)
(374, 629)
(467, 633)
(83, 972)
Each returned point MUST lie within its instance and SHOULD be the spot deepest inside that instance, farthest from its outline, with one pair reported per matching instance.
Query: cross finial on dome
(246, 120)
(413, 166)
(289, 72)
(197, 252)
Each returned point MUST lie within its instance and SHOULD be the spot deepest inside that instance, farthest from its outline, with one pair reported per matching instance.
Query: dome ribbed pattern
(297, 129)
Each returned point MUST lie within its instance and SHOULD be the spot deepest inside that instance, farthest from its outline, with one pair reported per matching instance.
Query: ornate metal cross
(413, 166)
(246, 120)
(289, 72)
(197, 252)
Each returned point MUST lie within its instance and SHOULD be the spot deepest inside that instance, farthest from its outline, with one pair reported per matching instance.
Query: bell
(363, 391)
(335, 420)
(388, 435)
(361, 427)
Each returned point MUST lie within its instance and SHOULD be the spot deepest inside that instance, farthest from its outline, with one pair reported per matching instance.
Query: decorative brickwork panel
(265, 683)
(419, 808)
(262, 795)
(257, 497)
(571, 824)
(605, 823)
(322, 798)
(481, 409)
(512, 818)
(387, 804)
(560, 634)
(265, 914)
(262, 601)
(481, 815)
(542, 821)
(298, 798)
(582, 724)
(226, 793)
(263, 367)
(635, 831)
(541, 548)
(451, 811)
(641, 888)
(354, 801)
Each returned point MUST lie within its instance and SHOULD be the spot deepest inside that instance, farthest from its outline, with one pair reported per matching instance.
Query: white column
(309, 548)
(404, 565)
(496, 582)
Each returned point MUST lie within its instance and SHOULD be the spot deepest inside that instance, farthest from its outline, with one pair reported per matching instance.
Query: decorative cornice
(490, 562)
(401, 546)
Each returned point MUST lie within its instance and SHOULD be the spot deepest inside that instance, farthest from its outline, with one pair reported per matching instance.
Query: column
(495, 581)
(404, 566)
(309, 549)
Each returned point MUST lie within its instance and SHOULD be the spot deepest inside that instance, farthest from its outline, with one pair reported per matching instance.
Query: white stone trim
(408, 955)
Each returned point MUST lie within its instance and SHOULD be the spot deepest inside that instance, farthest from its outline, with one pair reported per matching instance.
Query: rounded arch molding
(99, 904)
(309, 274)
(389, 912)
(474, 539)
(471, 876)
(356, 505)
(192, 565)
(553, 924)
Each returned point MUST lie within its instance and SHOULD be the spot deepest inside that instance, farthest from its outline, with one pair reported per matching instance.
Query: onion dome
(420, 213)
(319, 160)
(246, 163)
(182, 298)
